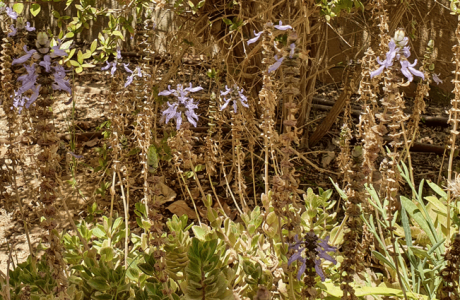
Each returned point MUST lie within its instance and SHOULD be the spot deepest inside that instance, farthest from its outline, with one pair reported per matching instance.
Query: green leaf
(108, 251)
(80, 57)
(119, 34)
(437, 189)
(98, 232)
(18, 7)
(416, 214)
(200, 233)
(94, 45)
(383, 259)
(74, 63)
(66, 45)
(69, 35)
(227, 21)
(35, 9)
(98, 283)
(146, 268)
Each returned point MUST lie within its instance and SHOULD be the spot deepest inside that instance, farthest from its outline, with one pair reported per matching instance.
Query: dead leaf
(91, 143)
(167, 193)
(181, 208)
(327, 158)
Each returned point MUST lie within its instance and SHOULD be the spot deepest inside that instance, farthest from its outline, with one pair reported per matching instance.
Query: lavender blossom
(280, 26)
(28, 80)
(398, 50)
(255, 39)
(46, 63)
(60, 83)
(320, 248)
(114, 68)
(137, 72)
(119, 53)
(24, 58)
(192, 117)
(13, 32)
(11, 13)
(408, 70)
(241, 97)
(436, 78)
(34, 96)
(292, 52)
(276, 65)
(181, 94)
(75, 155)
(57, 52)
(107, 66)
(19, 101)
(28, 27)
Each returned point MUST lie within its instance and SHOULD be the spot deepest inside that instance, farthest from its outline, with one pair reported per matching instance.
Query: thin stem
(191, 197)
(125, 204)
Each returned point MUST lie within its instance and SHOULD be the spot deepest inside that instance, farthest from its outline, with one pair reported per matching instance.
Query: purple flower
(60, 83)
(291, 53)
(75, 155)
(34, 96)
(24, 58)
(28, 27)
(280, 26)
(137, 72)
(408, 70)
(114, 68)
(193, 89)
(436, 78)
(46, 63)
(320, 248)
(13, 32)
(241, 97)
(406, 51)
(126, 68)
(180, 92)
(192, 117)
(276, 65)
(11, 13)
(57, 52)
(107, 66)
(253, 40)
(28, 80)
(18, 101)
(119, 53)
(166, 92)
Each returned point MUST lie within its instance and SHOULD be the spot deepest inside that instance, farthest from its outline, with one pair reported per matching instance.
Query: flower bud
(400, 38)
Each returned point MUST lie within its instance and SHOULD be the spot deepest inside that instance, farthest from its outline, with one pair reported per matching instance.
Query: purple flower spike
(28, 27)
(320, 251)
(11, 13)
(280, 26)
(292, 52)
(241, 98)
(276, 65)
(436, 78)
(408, 70)
(107, 66)
(24, 58)
(255, 39)
(13, 32)
(46, 63)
